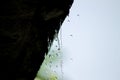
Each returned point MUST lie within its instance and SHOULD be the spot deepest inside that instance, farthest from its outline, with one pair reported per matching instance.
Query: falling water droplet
(49, 55)
(56, 54)
(50, 62)
(68, 20)
(71, 35)
(50, 66)
(56, 66)
(58, 48)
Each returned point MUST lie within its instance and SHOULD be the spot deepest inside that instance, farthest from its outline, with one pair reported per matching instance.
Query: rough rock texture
(26, 29)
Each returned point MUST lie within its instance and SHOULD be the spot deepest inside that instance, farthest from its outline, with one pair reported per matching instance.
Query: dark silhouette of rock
(27, 28)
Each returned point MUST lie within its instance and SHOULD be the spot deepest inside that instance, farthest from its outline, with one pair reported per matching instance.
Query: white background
(91, 41)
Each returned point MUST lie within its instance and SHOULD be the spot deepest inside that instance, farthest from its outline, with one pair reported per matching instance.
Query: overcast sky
(91, 41)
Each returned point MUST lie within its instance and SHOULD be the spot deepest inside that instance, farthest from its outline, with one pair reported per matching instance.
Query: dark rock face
(27, 27)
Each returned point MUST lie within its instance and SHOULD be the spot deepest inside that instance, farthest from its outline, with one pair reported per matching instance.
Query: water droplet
(56, 54)
(50, 62)
(56, 66)
(55, 77)
(55, 39)
(50, 66)
(68, 20)
(71, 59)
(46, 64)
(53, 51)
(49, 55)
(71, 35)
(54, 71)
(58, 48)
